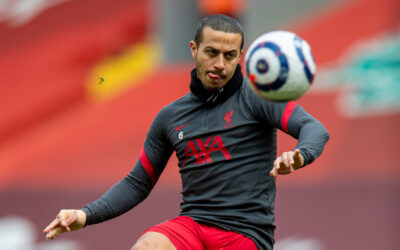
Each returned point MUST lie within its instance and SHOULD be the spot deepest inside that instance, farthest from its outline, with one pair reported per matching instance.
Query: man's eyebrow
(209, 47)
(230, 51)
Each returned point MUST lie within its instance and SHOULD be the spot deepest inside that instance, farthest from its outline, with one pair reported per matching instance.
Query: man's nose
(220, 63)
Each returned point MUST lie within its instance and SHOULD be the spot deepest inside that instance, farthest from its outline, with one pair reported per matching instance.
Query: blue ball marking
(262, 66)
(283, 71)
(297, 43)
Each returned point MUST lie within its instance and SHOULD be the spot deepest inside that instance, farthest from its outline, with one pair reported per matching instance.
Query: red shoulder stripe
(286, 115)
(148, 167)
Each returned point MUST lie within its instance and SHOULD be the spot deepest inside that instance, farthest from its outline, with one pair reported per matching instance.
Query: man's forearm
(120, 198)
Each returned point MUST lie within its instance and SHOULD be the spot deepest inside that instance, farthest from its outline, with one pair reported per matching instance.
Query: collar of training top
(222, 94)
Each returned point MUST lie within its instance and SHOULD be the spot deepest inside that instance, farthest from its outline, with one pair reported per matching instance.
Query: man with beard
(225, 139)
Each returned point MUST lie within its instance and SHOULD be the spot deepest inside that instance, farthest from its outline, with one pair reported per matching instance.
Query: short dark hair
(221, 23)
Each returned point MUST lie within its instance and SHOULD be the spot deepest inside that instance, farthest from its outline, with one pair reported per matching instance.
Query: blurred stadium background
(65, 138)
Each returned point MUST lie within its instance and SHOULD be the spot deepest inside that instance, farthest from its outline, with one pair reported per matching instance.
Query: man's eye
(230, 55)
(212, 52)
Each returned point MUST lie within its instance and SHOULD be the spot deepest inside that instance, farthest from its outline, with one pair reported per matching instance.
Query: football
(280, 66)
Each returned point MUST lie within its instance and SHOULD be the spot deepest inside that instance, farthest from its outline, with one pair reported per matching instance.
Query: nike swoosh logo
(178, 128)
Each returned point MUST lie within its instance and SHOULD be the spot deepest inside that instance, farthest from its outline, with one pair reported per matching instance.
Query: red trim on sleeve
(286, 115)
(148, 167)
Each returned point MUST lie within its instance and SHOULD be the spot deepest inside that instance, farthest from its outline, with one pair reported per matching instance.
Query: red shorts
(185, 233)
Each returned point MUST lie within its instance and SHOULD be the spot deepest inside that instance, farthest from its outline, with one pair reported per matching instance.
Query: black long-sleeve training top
(226, 145)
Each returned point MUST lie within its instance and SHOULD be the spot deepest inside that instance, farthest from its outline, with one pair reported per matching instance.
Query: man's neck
(217, 95)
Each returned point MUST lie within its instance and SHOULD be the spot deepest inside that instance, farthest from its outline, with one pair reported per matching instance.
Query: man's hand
(287, 162)
(66, 221)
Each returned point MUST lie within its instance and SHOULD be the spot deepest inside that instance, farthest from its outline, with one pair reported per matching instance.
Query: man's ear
(193, 49)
